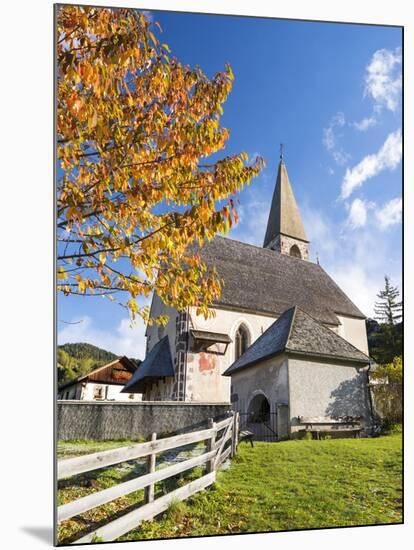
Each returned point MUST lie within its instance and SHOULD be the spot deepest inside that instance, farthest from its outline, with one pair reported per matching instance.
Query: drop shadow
(45, 534)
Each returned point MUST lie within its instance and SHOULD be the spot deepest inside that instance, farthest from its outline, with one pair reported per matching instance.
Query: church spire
(285, 232)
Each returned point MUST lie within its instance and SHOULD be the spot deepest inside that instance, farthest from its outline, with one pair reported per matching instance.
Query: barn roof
(297, 333)
(157, 364)
(262, 280)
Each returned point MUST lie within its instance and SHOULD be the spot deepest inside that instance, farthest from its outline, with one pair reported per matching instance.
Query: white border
(26, 253)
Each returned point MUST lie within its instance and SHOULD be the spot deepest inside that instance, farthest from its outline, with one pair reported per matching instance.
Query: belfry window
(295, 252)
(241, 341)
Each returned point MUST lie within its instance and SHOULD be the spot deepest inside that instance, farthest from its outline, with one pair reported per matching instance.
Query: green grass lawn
(274, 486)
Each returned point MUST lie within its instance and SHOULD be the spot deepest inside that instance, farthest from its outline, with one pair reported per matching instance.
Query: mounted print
(229, 270)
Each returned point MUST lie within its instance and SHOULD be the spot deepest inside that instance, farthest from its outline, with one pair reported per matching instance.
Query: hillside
(83, 350)
(75, 360)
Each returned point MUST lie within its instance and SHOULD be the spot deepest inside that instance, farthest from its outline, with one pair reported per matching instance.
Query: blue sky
(332, 94)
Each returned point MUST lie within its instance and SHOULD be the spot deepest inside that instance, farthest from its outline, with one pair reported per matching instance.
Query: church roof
(297, 333)
(284, 217)
(157, 364)
(261, 280)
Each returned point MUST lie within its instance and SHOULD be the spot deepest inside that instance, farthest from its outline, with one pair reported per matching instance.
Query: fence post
(236, 431)
(210, 445)
(233, 435)
(149, 491)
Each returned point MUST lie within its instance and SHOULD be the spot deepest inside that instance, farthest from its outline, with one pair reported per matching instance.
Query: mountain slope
(75, 360)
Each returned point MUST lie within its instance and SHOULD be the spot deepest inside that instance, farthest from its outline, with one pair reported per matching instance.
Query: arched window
(294, 251)
(241, 341)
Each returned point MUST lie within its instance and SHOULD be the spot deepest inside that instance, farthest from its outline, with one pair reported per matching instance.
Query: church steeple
(285, 232)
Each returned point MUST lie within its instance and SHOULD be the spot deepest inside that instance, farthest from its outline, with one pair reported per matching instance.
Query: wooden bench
(246, 435)
(316, 425)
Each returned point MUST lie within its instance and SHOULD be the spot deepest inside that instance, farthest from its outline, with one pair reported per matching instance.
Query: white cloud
(364, 124)
(253, 218)
(357, 214)
(330, 139)
(390, 213)
(356, 260)
(360, 284)
(383, 80)
(388, 157)
(319, 232)
(123, 340)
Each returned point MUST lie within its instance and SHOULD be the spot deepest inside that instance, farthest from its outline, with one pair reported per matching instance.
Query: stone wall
(103, 420)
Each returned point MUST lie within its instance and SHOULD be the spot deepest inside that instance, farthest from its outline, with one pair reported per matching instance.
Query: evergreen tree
(389, 308)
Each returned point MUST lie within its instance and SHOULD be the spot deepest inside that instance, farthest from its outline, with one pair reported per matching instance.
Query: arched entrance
(259, 409)
(259, 419)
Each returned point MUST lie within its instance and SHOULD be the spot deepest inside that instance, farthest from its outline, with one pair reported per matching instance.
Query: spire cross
(281, 151)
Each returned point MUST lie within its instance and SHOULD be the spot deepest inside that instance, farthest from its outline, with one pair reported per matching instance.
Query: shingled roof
(295, 332)
(262, 280)
(157, 364)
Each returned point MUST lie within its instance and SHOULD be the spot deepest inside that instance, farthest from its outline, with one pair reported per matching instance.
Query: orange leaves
(134, 127)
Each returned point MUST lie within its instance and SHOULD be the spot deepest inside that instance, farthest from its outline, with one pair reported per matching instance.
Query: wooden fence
(221, 438)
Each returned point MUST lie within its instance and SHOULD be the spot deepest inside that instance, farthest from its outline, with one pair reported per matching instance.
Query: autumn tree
(134, 186)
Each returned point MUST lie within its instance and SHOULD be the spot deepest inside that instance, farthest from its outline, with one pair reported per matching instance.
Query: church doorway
(259, 409)
(259, 419)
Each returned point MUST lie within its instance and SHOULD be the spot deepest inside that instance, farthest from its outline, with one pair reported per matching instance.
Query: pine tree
(388, 309)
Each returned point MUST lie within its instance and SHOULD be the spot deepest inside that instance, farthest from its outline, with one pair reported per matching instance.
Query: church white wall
(204, 380)
(161, 389)
(354, 331)
(322, 389)
(204, 370)
(156, 333)
(269, 377)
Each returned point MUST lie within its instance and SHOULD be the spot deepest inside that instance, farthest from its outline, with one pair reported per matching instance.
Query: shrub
(386, 387)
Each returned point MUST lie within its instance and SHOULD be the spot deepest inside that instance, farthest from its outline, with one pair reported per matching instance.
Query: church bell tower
(285, 232)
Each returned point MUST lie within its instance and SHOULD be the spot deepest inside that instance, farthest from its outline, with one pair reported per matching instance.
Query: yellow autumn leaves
(135, 189)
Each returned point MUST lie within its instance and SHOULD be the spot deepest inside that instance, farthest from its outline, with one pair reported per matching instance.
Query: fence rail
(218, 451)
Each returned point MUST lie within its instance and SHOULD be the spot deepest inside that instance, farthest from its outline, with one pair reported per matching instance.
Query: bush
(386, 387)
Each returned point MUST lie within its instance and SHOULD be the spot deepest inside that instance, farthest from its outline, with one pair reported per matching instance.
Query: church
(275, 303)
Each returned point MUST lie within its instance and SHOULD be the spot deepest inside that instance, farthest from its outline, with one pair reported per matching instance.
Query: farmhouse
(186, 359)
(102, 384)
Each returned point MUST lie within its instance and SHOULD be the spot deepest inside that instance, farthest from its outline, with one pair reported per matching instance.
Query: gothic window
(241, 341)
(294, 251)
